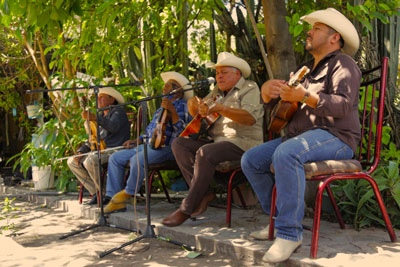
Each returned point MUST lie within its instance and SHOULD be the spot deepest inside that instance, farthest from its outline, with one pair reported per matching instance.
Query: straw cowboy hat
(227, 59)
(112, 92)
(340, 23)
(182, 80)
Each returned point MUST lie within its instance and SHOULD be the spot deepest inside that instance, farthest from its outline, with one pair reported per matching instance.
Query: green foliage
(358, 203)
(16, 74)
(6, 215)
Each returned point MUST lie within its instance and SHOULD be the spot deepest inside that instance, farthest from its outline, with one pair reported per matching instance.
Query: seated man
(325, 127)
(177, 107)
(114, 130)
(238, 128)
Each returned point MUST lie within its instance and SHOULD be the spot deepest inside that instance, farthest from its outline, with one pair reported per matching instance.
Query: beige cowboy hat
(227, 59)
(112, 92)
(182, 80)
(340, 23)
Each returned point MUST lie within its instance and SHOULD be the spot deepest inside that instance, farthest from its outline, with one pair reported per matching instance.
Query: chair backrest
(371, 107)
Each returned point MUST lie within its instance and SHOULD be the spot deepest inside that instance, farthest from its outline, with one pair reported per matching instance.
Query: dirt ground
(37, 243)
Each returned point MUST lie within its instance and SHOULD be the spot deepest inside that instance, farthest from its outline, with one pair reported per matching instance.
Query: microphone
(207, 81)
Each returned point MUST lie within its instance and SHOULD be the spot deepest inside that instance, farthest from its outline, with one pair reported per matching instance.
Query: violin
(158, 137)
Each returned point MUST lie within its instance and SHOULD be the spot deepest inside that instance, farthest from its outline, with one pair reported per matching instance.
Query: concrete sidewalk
(209, 232)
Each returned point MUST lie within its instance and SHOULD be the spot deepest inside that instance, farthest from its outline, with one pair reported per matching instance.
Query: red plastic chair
(367, 158)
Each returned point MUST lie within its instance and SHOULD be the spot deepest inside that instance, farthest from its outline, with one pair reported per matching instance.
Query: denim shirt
(172, 131)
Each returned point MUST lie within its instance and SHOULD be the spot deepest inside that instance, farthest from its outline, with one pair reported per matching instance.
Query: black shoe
(93, 201)
(106, 200)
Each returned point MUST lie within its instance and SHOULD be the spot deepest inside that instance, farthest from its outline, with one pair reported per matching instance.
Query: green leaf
(54, 14)
(380, 16)
(138, 53)
(384, 6)
(6, 8)
(365, 23)
(59, 3)
(32, 14)
(393, 169)
(298, 29)
(76, 7)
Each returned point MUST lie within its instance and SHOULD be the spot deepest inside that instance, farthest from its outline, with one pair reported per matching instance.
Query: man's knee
(72, 164)
(177, 144)
(90, 161)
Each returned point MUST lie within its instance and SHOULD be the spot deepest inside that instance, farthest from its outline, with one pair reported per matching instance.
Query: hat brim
(114, 93)
(339, 23)
(182, 80)
(235, 62)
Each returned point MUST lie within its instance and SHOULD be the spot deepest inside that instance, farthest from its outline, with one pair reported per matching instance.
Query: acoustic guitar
(195, 125)
(283, 111)
(158, 137)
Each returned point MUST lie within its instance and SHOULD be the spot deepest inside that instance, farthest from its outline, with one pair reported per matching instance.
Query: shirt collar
(239, 85)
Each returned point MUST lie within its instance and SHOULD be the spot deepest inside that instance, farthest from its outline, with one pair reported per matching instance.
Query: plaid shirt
(172, 130)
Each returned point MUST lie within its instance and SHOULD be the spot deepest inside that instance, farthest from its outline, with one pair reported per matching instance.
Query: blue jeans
(288, 158)
(117, 163)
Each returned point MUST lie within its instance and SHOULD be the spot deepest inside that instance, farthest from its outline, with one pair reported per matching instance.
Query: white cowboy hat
(227, 59)
(112, 92)
(339, 23)
(182, 80)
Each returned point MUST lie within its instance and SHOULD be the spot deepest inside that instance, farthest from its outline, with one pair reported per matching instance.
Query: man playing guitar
(238, 128)
(326, 126)
(176, 122)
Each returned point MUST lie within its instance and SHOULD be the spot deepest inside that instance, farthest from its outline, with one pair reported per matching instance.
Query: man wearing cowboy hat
(177, 106)
(326, 126)
(238, 128)
(114, 130)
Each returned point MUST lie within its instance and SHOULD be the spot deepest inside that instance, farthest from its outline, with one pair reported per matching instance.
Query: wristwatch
(306, 95)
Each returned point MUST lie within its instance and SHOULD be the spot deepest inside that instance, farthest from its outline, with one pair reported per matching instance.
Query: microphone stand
(149, 233)
(102, 219)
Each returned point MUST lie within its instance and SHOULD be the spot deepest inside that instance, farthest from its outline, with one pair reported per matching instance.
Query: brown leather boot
(202, 207)
(175, 219)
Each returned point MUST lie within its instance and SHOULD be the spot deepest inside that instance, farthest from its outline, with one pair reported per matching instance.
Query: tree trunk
(279, 41)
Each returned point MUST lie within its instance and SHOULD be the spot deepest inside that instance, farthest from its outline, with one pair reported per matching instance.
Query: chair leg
(165, 189)
(239, 192)
(381, 204)
(229, 201)
(80, 193)
(272, 215)
(335, 207)
(317, 217)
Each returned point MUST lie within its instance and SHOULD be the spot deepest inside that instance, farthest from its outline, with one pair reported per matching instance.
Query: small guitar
(158, 137)
(284, 110)
(195, 124)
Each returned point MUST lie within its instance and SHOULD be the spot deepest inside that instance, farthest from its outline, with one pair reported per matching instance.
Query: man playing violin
(325, 127)
(114, 131)
(238, 128)
(179, 116)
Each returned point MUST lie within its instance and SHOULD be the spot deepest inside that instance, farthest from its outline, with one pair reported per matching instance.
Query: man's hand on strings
(271, 89)
(167, 104)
